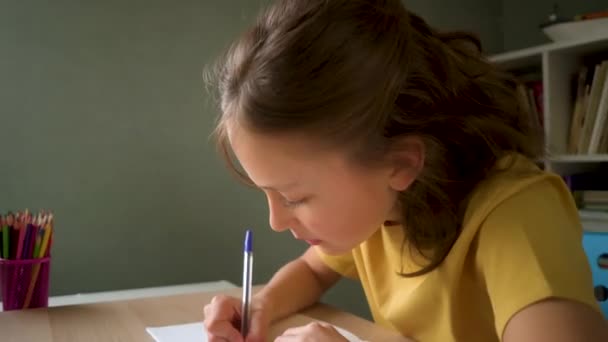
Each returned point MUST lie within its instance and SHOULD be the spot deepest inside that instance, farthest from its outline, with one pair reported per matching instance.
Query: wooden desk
(126, 320)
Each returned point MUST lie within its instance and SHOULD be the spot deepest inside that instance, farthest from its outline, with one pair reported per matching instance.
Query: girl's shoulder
(516, 185)
(511, 175)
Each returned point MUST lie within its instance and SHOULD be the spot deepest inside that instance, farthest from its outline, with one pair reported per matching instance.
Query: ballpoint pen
(247, 275)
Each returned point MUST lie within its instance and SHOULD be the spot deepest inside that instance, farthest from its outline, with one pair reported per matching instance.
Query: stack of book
(593, 209)
(590, 191)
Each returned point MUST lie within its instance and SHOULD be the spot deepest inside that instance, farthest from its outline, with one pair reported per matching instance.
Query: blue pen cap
(248, 241)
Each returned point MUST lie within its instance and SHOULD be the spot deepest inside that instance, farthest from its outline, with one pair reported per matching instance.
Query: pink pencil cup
(24, 283)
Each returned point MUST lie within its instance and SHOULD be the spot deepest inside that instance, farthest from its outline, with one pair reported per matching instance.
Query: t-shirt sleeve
(343, 264)
(529, 248)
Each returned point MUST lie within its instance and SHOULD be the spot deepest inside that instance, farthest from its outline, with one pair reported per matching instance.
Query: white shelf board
(529, 56)
(578, 158)
(519, 58)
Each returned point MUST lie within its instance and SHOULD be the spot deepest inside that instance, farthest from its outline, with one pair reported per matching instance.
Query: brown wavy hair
(361, 74)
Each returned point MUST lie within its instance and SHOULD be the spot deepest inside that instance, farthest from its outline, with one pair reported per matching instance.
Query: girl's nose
(279, 216)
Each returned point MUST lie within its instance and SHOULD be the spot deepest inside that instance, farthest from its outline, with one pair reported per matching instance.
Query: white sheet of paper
(195, 332)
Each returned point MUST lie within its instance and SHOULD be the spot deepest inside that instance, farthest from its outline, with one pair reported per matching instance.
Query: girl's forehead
(295, 145)
(271, 160)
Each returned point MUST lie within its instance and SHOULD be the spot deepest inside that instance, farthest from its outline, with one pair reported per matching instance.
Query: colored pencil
(43, 251)
(24, 236)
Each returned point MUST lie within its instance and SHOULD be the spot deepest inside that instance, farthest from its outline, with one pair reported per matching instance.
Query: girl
(406, 161)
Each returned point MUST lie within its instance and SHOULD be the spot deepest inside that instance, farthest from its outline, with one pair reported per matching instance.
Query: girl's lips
(313, 242)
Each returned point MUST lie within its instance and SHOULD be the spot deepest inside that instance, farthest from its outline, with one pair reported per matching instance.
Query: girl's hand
(316, 331)
(223, 320)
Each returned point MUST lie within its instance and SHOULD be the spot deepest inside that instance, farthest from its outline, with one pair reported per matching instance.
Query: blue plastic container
(596, 247)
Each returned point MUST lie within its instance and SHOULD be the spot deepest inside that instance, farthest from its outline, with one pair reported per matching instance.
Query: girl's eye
(293, 204)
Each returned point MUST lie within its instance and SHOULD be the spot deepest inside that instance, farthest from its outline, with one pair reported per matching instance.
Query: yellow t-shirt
(520, 243)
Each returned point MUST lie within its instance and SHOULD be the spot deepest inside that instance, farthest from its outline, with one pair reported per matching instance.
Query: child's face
(319, 195)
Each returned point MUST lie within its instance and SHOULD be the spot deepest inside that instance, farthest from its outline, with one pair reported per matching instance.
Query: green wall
(479, 16)
(104, 120)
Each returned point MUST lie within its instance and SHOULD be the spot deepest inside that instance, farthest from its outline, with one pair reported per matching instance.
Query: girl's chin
(332, 250)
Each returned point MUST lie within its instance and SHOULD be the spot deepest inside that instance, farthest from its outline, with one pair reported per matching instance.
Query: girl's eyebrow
(282, 187)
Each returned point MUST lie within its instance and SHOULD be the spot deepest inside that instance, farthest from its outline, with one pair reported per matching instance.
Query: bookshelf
(558, 70)
(556, 66)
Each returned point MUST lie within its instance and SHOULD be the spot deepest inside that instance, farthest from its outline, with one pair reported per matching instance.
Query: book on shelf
(594, 220)
(591, 199)
(590, 192)
(595, 226)
(589, 121)
(594, 215)
(584, 181)
(594, 196)
(530, 90)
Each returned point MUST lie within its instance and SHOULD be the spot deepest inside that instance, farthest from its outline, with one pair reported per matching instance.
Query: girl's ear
(407, 161)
